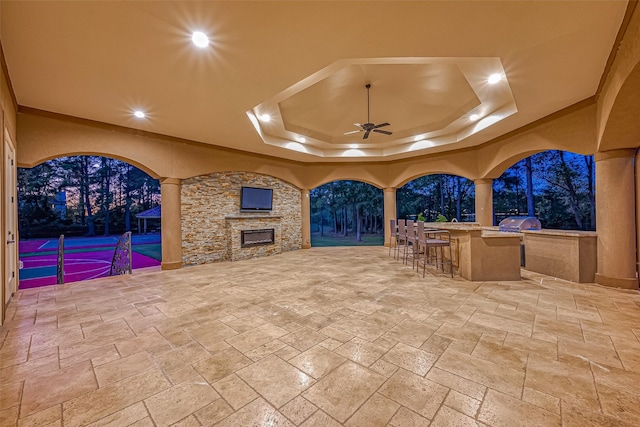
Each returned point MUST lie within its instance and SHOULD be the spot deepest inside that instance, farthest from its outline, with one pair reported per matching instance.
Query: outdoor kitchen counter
(484, 253)
(569, 255)
(480, 254)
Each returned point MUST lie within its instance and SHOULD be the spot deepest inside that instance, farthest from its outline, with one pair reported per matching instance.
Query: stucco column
(306, 219)
(171, 223)
(615, 219)
(389, 212)
(484, 201)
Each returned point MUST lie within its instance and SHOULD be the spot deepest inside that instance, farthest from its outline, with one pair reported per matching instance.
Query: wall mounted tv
(256, 199)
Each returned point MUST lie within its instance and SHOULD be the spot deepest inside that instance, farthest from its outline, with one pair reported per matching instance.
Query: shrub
(441, 218)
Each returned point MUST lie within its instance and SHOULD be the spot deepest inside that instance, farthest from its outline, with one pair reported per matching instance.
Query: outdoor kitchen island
(485, 253)
(481, 254)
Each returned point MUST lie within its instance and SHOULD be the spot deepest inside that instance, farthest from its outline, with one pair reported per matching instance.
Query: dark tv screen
(256, 199)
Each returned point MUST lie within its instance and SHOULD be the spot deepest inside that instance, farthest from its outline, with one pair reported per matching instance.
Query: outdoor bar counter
(482, 254)
(569, 255)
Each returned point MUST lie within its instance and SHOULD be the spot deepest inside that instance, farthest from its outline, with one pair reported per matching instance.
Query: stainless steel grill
(516, 224)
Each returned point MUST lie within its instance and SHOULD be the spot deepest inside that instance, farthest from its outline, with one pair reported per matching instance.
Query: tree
(320, 200)
(36, 188)
(99, 192)
(105, 195)
(560, 185)
(591, 193)
(432, 195)
(352, 205)
(126, 178)
(531, 208)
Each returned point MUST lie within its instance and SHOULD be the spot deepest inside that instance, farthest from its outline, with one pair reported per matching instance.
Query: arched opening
(557, 187)
(440, 197)
(92, 201)
(347, 213)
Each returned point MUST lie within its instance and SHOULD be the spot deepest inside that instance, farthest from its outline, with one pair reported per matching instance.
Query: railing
(60, 264)
(121, 263)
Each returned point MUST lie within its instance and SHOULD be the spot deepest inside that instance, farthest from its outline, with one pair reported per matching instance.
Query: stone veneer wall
(208, 199)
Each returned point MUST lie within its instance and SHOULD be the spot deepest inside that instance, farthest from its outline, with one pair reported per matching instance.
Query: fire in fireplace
(257, 237)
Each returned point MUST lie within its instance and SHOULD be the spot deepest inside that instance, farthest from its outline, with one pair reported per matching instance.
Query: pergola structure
(467, 87)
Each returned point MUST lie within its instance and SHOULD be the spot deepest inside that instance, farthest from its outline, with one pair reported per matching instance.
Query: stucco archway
(622, 127)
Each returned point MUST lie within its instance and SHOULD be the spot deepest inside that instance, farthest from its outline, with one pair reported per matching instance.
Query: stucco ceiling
(306, 64)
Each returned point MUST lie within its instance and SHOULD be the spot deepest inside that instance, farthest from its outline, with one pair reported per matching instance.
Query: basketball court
(84, 258)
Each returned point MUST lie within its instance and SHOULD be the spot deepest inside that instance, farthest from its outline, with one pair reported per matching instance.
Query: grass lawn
(330, 239)
(152, 250)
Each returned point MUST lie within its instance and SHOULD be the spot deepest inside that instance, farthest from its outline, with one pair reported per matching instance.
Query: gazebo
(153, 213)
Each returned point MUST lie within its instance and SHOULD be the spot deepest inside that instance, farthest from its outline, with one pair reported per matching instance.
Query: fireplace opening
(257, 237)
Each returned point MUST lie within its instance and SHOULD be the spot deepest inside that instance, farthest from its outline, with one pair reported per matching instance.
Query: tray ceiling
(306, 65)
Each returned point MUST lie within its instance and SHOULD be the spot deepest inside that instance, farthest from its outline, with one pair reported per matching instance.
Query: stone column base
(617, 282)
(306, 246)
(172, 265)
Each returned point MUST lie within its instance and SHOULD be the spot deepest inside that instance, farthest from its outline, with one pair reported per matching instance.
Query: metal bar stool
(401, 237)
(410, 237)
(435, 239)
(393, 238)
(418, 250)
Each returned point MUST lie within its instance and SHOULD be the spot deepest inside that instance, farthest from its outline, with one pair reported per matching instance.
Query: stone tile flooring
(320, 337)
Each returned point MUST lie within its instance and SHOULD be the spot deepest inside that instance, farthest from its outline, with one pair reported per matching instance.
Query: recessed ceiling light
(200, 39)
(494, 78)
(353, 152)
(296, 147)
(139, 114)
(264, 118)
(474, 117)
(420, 145)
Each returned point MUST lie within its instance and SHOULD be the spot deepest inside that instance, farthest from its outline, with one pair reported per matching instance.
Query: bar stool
(436, 239)
(401, 237)
(393, 238)
(416, 249)
(423, 250)
(410, 240)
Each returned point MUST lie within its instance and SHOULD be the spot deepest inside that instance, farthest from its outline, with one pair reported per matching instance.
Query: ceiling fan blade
(357, 124)
(366, 134)
(352, 132)
(381, 125)
(386, 132)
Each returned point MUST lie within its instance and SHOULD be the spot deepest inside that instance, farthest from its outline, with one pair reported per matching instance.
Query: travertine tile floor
(320, 337)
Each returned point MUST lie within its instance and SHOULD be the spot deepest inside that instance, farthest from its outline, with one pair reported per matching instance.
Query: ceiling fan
(369, 127)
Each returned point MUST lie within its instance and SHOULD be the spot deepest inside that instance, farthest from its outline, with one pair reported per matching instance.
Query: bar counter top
(491, 232)
(564, 233)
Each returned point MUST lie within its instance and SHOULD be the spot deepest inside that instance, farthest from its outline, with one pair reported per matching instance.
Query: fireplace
(250, 238)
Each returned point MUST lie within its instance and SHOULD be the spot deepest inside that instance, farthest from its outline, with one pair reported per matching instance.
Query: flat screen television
(256, 199)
